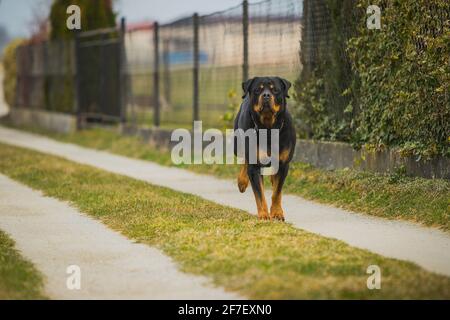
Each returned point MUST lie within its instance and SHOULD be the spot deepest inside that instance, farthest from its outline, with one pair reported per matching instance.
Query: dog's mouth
(265, 105)
(267, 110)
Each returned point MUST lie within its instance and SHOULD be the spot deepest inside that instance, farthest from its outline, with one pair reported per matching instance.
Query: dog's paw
(242, 185)
(276, 213)
(263, 215)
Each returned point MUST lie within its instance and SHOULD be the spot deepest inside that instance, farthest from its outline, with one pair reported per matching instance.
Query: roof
(139, 26)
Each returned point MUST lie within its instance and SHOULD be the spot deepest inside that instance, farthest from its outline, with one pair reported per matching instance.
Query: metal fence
(199, 62)
(100, 75)
(172, 74)
(45, 74)
(85, 76)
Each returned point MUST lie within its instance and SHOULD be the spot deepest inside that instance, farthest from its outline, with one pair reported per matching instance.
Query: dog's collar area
(256, 127)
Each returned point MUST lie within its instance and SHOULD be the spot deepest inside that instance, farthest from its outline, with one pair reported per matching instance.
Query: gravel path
(429, 248)
(54, 235)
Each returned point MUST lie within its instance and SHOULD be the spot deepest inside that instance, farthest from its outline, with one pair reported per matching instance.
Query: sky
(17, 15)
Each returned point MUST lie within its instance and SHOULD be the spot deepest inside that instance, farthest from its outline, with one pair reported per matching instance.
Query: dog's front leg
(256, 181)
(276, 212)
(243, 178)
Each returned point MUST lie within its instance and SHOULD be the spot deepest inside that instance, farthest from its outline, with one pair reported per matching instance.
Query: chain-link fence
(221, 70)
(261, 38)
(82, 76)
(140, 53)
(274, 38)
(174, 73)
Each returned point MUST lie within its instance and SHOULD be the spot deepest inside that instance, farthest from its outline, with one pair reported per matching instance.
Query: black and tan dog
(264, 107)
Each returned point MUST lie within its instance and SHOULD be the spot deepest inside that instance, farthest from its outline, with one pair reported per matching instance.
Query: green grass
(257, 259)
(425, 201)
(19, 280)
(143, 118)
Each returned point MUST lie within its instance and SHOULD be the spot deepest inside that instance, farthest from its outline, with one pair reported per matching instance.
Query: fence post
(196, 114)
(77, 75)
(156, 106)
(245, 40)
(45, 74)
(123, 73)
(166, 71)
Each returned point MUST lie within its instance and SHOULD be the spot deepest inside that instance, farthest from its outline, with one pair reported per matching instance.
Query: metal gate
(100, 82)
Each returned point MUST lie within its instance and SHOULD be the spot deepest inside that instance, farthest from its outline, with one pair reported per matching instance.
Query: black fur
(250, 117)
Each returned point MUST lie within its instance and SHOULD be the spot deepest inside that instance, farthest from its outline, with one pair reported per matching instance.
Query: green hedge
(396, 93)
(10, 71)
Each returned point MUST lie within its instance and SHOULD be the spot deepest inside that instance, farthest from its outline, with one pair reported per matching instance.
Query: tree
(4, 37)
(94, 15)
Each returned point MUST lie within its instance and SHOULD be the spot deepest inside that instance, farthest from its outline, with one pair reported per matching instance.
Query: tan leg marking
(261, 204)
(243, 178)
(276, 212)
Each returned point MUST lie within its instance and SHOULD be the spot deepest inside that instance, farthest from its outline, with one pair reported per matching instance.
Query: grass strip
(258, 259)
(19, 280)
(394, 196)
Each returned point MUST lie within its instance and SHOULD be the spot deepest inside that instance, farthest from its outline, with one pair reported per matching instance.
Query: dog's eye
(275, 91)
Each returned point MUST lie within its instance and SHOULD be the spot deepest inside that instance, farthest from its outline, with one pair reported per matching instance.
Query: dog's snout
(266, 95)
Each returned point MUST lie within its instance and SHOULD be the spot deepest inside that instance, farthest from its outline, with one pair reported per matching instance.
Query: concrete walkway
(54, 235)
(429, 248)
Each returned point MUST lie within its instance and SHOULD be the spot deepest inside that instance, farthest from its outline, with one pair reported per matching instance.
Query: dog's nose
(266, 96)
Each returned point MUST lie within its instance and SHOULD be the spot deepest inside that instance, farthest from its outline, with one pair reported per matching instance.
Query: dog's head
(267, 98)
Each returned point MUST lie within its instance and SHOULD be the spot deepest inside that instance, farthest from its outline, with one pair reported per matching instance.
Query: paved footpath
(54, 235)
(428, 247)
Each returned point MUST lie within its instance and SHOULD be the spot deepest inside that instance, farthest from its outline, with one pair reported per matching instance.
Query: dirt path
(54, 235)
(427, 247)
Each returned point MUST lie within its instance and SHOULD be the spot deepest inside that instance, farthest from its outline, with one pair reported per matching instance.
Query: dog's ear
(286, 85)
(246, 86)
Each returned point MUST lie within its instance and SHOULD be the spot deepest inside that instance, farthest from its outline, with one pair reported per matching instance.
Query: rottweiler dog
(264, 107)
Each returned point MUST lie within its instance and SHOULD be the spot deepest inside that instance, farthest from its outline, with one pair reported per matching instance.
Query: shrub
(10, 71)
(386, 88)
(404, 76)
